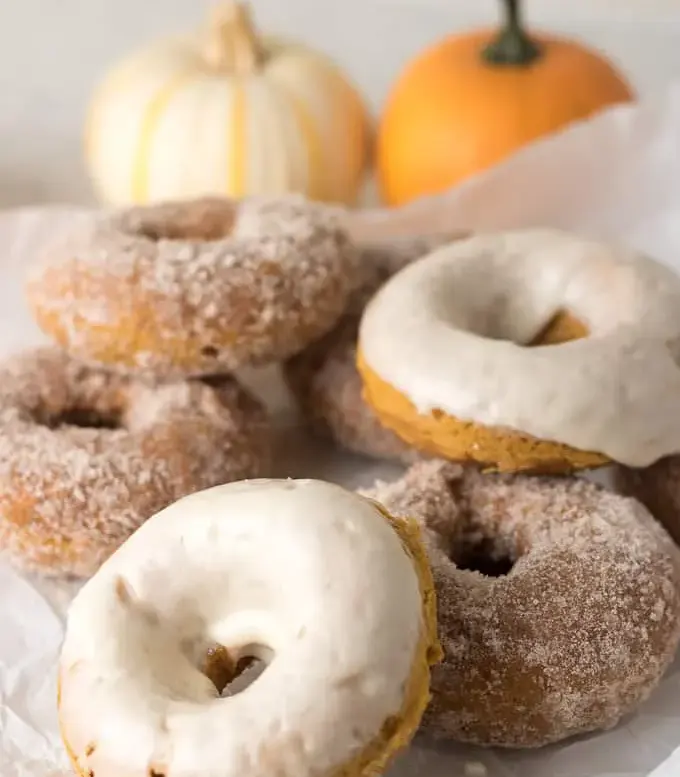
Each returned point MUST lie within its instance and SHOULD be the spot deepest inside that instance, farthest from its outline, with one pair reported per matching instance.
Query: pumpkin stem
(512, 46)
(232, 43)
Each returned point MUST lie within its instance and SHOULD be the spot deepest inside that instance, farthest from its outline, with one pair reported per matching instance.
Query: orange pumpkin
(470, 100)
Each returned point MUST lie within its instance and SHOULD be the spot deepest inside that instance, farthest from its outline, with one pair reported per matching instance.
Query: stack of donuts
(151, 311)
(494, 594)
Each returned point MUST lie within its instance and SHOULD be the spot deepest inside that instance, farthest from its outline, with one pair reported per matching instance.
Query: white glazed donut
(448, 336)
(310, 578)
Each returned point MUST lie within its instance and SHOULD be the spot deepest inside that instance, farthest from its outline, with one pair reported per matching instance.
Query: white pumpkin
(223, 112)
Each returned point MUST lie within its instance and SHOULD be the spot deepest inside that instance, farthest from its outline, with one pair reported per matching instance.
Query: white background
(53, 51)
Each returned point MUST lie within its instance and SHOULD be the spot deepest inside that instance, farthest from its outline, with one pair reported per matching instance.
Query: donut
(658, 488)
(87, 456)
(323, 377)
(197, 287)
(558, 602)
(445, 363)
(269, 571)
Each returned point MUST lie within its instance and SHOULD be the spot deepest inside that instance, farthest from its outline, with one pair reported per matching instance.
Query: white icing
(310, 573)
(448, 333)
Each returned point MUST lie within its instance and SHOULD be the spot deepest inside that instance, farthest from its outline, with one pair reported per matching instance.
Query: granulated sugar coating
(197, 287)
(327, 386)
(324, 378)
(658, 488)
(575, 620)
(87, 456)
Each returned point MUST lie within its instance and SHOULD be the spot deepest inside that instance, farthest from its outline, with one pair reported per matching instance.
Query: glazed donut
(658, 488)
(277, 571)
(445, 364)
(558, 602)
(323, 377)
(86, 456)
(196, 287)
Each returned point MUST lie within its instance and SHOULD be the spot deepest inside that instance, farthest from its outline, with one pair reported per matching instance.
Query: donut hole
(84, 418)
(563, 327)
(202, 222)
(156, 233)
(481, 555)
(231, 676)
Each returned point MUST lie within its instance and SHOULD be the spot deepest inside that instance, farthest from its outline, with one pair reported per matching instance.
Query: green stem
(512, 46)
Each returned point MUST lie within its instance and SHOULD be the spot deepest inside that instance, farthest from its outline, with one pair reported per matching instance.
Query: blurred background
(53, 52)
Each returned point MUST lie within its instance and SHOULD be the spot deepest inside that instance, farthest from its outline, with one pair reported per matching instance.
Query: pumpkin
(225, 112)
(472, 99)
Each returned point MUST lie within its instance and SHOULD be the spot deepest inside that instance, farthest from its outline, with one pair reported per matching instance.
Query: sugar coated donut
(86, 456)
(658, 488)
(445, 362)
(331, 595)
(324, 378)
(195, 287)
(325, 382)
(559, 602)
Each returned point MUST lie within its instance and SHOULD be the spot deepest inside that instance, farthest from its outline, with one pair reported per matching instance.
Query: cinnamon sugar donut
(188, 288)
(446, 359)
(559, 602)
(87, 456)
(323, 377)
(658, 488)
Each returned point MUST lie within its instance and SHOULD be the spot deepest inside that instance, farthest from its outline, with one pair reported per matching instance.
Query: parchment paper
(617, 176)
